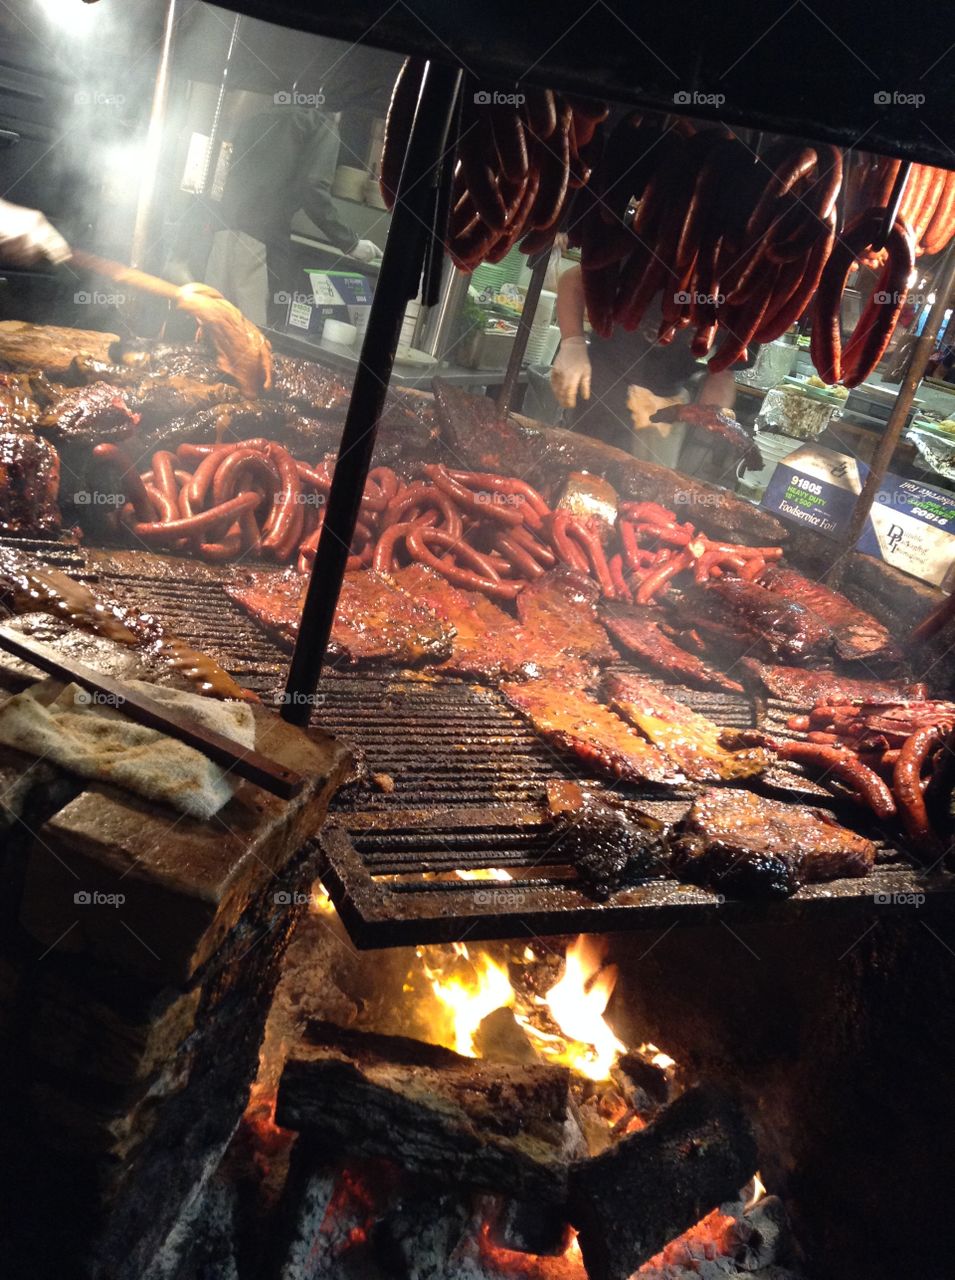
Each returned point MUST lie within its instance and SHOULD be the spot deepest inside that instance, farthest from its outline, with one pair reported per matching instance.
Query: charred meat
(585, 729)
(609, 844)
(709, 417)
(699, 748)
(738, 842)
(375, 621)
(856, 633)
(312, 389)
(91, 414)
(50, 348)
(29, 484)
(486, 643)
(641, 637)
(807, 688)
(734, 609)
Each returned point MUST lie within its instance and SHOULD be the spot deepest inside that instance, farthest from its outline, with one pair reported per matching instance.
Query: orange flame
(470, 994)
(577, 1004)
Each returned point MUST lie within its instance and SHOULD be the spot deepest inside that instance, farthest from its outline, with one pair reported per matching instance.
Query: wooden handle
(129, 276)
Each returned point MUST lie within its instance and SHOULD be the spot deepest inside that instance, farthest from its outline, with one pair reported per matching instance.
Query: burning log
(629, 1201)
(460, 1121)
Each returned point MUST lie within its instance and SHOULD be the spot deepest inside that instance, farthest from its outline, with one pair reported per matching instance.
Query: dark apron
(626, 358)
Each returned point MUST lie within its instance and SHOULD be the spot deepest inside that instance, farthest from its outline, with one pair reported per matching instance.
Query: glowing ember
(485, 873)
(469, 994)
(657, 1056)
(577, 1004)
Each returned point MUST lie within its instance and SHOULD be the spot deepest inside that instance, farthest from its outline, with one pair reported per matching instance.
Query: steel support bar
(412, 227)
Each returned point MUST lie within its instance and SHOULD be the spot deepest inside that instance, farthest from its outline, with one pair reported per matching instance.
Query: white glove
(643, 404)
(26, 237)
(365, 251)
(570, 372)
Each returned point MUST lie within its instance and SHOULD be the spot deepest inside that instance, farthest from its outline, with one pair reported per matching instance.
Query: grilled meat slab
(559, 611)
(578, 725)
(308, 386)
(608, 843)
(89, 414)
(375, 622)
(698, 747)
(709, 417)
(735, 841)
(856, 633)
(29, 484)
(639, 636)
(808, 688)
(53, 349)
(487, 643)
(784, 628)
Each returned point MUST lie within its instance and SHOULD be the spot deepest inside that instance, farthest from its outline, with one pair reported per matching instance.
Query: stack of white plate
(542, 344)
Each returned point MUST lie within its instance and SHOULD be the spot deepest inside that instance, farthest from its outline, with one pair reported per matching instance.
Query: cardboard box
(339, 295)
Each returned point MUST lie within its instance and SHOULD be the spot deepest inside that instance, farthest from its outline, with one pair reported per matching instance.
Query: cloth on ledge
(80, 732)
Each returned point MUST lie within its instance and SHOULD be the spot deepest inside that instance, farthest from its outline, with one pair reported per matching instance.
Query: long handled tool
(242, 351)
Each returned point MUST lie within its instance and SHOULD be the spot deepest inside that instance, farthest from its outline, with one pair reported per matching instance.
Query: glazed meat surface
(641, 637)
(740, 842)
(559, 611)
(29, 484)
(579, 726)
(375, 621)
(695, 745)
(807, 688)
(486, 643)
(856, 633)
(89, 414)
(308, 386)
(786, 629)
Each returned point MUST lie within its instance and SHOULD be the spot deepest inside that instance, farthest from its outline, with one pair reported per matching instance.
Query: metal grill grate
(469, 782)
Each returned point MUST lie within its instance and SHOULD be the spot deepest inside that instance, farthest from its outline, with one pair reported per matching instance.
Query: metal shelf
(840, 73)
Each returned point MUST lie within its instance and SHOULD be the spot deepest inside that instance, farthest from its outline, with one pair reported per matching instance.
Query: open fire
(368, 1215)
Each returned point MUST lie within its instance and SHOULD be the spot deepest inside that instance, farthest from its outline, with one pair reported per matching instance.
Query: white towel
(82, 733)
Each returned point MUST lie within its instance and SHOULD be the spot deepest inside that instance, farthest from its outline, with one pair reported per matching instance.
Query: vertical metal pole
(154, 137)
(506, 394)
(918, 359)
(398, 279)
(209, 167)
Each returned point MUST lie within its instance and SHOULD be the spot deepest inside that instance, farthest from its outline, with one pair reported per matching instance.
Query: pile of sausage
(226, 501)
(656, 548)
(519, 157)
(481, 531)
(896, 757)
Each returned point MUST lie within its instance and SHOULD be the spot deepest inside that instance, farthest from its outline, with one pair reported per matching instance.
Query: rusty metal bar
(914, 372)
(412, 226)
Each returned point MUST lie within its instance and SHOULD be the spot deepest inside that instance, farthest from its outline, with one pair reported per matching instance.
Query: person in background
(626, 378)
(27, 238)
(283, 160)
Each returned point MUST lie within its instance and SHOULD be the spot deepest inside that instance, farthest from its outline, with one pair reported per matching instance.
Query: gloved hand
(570, 372)
(366, 251)
(642, 404)
(26, 237)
